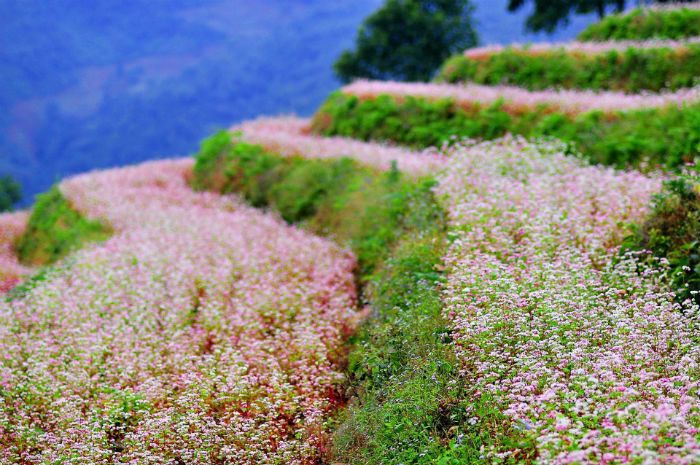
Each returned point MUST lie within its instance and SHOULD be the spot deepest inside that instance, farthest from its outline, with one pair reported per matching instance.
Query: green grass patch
(632, 70)
(407, 403)
(668, 136)
(55, 229)
(644, 23)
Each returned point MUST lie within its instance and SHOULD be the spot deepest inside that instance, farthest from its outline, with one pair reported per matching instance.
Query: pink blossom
(203, 331)
(292, 136)
(12, 226)
(589, 48)
(572, 101)
(536, 300)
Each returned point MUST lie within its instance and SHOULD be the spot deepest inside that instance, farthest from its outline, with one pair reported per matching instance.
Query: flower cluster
(12, 226)
(202, 332)
(569, 101)
(594, 362)
(588, 48)
(291, 136)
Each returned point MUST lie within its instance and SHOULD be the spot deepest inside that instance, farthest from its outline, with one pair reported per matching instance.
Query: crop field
(421, 273)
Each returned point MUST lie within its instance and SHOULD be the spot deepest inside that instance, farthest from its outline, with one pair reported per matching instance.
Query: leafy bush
(10, 193)
(406, 395)
(643, 23)
(631, 70)
(666, 136)
(408, 40)
(55, 229)
(672, 232)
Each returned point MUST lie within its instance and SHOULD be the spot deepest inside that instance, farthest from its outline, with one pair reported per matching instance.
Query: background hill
(111, 82)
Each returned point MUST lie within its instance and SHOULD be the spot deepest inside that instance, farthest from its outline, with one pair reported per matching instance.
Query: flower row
(568, 101)
(291, 136)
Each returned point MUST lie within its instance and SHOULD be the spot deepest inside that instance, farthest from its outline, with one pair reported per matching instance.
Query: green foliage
(356, 205)
(55, 229)
(408, 40)
(547, 15)
(666, 136)
(407, 399)
(10, 193)
(672, 231)
(409, 404)
(632, 70)
(642, 23)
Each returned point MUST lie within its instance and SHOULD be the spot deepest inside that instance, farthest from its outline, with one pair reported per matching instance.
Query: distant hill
(100, 83)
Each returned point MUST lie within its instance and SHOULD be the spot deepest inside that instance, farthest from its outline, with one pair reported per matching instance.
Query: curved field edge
(176, 341)
(667, 136)
(406, 398)
(55, 229)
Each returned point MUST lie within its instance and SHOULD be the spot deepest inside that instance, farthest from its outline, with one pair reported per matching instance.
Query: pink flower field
(291, 136)
(202, 332)
(587, 48)
(586, 355)
(11, 228)
(565, 100)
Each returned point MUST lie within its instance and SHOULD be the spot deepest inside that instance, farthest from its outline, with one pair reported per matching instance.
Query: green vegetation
(407, 402)
(666, 136)
(351, 203)
(55, 229)
(408, 40)
(10, 193)
(632, 70)
(672, 232)
(642, 23)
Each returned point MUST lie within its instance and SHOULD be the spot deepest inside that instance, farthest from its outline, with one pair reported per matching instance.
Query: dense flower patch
(589, 48)
(625, 66)
(292, 137)
(667, 135)
(11, 228)
(522, 100)
(593, 361)
(202, 332)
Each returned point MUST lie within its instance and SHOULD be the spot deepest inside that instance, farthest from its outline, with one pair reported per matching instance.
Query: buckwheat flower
(204, 331)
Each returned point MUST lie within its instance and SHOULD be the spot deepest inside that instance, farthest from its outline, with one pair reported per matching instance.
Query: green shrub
(666, 136)
(55, 229)
(10, 193)
(631, 70)
(642, 23)
(407, 404)
(672, 232)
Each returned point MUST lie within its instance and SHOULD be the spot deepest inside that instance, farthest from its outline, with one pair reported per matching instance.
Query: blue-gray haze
(91, 84)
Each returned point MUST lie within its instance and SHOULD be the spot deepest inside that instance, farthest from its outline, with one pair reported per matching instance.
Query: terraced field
(369, 287)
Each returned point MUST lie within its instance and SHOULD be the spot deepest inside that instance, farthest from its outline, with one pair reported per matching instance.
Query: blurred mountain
(91, 84)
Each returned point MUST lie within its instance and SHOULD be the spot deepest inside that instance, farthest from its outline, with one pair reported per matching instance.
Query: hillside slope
(163, 75)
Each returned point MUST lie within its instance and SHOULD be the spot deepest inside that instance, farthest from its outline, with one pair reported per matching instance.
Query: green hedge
(666, 136)
(407, 403)
(631, 70)
(55, 229)
(640, 24)
(672, 231)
